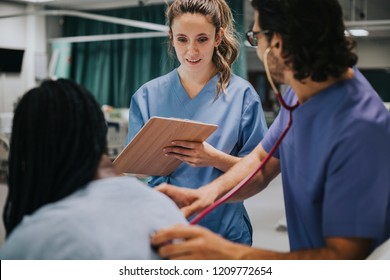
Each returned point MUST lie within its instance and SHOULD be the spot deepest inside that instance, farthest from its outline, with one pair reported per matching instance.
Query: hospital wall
(25, 33)
(30, 33)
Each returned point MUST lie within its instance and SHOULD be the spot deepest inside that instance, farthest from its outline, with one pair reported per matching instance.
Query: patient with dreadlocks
(65, 198)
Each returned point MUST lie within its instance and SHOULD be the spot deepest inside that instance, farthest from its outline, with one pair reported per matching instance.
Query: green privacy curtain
(237, 7)
(114, 70)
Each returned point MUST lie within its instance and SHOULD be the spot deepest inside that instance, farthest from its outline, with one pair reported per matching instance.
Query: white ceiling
(375, 12)
(94, 4)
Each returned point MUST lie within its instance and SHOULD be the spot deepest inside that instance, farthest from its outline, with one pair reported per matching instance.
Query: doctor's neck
(307, 88)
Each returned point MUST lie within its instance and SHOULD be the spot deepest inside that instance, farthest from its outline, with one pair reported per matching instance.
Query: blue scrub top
(241, 126)
(335, 165)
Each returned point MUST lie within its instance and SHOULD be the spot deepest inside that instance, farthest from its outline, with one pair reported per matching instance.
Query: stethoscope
(247, 179)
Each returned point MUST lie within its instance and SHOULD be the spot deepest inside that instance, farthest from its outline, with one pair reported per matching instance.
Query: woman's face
(194, 40)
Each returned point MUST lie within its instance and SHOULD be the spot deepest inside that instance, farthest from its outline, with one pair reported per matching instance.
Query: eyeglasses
(252, 36)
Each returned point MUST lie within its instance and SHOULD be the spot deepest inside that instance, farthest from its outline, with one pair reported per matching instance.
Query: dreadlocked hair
(58, 138)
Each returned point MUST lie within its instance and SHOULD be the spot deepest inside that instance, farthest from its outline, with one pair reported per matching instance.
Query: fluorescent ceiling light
(358, 32)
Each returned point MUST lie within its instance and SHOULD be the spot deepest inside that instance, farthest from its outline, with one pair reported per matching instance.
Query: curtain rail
(107, 37)
(122, 21)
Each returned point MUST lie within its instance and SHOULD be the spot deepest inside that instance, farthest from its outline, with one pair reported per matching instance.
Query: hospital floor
(266, 211)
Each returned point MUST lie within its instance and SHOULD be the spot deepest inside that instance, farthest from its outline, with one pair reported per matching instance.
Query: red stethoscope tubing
(247, 179)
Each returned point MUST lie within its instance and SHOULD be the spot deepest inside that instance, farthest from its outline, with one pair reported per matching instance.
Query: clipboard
(144, 154)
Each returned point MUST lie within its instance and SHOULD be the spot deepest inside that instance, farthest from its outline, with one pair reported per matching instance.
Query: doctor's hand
(195, 154)
(183, 242)
(200, 154)
(189, 201)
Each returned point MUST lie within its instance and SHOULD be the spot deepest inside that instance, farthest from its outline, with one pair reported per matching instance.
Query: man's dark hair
(313, 33)
(58, 137)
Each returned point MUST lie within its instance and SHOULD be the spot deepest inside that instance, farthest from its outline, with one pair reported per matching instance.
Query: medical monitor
(11, 60)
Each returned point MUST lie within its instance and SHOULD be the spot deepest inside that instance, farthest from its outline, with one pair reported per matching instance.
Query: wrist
(224, 161)
(211, 191)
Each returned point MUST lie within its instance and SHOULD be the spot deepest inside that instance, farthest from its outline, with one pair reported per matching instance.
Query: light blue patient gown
(108, 219)
(241, 126)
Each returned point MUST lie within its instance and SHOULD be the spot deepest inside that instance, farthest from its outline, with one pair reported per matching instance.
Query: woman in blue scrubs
(203, 89)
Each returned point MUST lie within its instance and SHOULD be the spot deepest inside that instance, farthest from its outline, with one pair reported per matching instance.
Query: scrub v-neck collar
(205, 96)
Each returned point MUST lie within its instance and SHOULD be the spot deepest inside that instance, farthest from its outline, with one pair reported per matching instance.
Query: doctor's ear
(219, 37)
(171, 38)
(276, 41)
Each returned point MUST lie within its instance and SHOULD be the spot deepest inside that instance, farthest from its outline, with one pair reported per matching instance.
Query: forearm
(200, 243)
(224, 161)
(241, 170)
(249, 253)
(335, 249)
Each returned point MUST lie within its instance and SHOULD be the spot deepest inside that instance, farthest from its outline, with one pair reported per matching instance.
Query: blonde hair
(220, 15)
